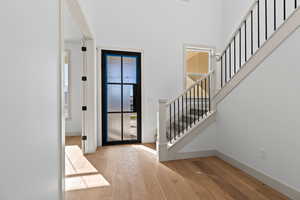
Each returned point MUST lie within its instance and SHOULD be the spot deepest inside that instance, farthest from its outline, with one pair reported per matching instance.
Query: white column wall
(29, 100)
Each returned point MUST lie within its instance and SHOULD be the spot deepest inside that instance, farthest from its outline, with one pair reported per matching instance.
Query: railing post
(162, 141)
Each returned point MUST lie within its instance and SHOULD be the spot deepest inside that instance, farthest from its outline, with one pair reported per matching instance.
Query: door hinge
(84, 137)
(83, 49)
(84, 108)
(84, 78)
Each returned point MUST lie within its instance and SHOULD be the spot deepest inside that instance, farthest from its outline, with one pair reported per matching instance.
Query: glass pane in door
(129, 115)
(129, 69)
(130, 126)
(129, 97)
(114, 98)
(114, 101)
(113, 64)
(114, 127)
(114, 121)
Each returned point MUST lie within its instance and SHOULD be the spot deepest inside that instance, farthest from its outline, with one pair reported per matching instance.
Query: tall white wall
(29, 124)
(258, 122)
(73, 124)
(160, 29)
(232, 13)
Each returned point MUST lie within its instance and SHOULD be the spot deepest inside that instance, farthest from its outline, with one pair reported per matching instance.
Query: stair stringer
(276, 39)
(174, 150)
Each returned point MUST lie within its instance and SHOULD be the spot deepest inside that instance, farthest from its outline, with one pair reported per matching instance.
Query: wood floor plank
(132, 172)
(230, 184)
(257, 185)
(200, 183)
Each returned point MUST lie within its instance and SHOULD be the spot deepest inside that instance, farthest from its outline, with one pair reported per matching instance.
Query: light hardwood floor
(132, 172)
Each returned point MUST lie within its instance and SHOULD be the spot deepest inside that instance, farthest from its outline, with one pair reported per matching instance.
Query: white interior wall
(204, 141)
(160, 29)
(257, 122)
(72, 33)
(232, 17)
(30, 158)
(73, 124)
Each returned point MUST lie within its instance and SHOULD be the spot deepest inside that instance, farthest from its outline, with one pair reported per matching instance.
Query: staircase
(186, 110)
(181, 115)
(265, 26)
(177, 127)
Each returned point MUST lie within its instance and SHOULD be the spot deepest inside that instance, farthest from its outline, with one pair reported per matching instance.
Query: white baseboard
(197, 154)
(272, 182)
(285, 189)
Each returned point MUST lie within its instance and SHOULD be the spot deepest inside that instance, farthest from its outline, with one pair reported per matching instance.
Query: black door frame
(138, 102)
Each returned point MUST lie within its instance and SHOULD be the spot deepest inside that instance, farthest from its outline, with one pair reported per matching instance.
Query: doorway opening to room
(121, 97)
(72, 94)
(197, 64)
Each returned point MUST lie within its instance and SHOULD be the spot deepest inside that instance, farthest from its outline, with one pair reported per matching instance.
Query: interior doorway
(197, 64)
(121, 97)
(72, 93)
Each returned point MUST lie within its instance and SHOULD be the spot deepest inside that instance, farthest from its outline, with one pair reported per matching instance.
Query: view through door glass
(121, 97)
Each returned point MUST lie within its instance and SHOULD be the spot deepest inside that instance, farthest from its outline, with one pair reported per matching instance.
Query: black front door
(121, 97)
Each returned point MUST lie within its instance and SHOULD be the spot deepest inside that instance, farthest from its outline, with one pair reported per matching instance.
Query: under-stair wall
(258, 122)
(30, 101)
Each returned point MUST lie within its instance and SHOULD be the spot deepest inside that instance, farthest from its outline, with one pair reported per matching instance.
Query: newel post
(162, 142)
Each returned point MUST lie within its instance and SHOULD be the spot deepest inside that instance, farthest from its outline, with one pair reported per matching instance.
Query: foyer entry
(121, 97)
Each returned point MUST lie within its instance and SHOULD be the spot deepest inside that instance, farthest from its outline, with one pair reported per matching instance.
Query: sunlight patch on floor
(80, 173)
(145, 148)
(85, 182)
(76, 163)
